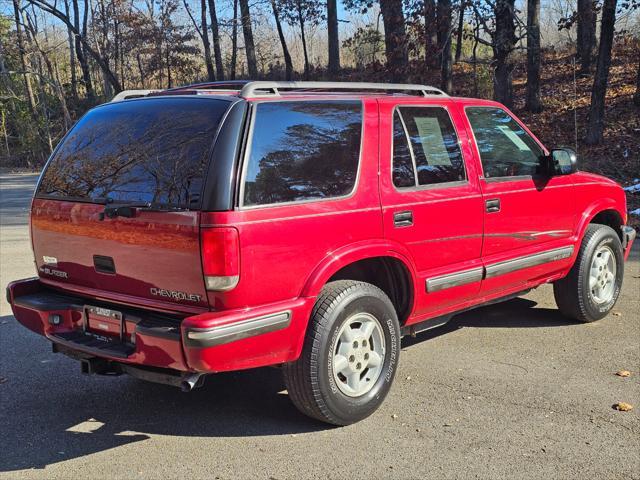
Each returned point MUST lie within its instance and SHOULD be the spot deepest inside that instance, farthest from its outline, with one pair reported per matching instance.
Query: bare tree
(533, 102)
(444, 44)
(460, 32)
(288, 65)
(636, 97)
(595, 127)
(234, 40)
(80, 50)
(26, 74)
(504, 43)
(215, 33)
(72, 56)
(332, 36)
(586, 41)
(203, 33)
(51, 80)
(82, 42)
(395, 38)
(249, 45)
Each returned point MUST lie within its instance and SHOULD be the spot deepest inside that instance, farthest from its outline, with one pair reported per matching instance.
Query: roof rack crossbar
(269, 89)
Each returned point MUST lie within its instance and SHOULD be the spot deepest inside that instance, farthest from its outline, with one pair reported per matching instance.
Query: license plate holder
(105, 323)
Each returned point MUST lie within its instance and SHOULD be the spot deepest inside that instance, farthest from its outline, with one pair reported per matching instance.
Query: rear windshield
(152, 150)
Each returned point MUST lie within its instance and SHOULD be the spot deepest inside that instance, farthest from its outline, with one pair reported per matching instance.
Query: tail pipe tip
(191, 381)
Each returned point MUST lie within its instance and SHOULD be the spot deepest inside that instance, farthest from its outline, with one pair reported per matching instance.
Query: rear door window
(302, 151)
(151, 150)
(425, 148)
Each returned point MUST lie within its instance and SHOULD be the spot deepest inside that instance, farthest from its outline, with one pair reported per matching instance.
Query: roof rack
(220, 85)
(127, 94)
(269, 89)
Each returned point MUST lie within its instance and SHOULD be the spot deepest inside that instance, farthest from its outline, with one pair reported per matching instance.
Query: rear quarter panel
(281, 245)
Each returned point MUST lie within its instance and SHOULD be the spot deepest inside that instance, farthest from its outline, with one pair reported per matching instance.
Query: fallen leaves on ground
(622, 406)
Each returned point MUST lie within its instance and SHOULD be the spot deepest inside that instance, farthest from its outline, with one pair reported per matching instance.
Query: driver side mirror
(560, 161)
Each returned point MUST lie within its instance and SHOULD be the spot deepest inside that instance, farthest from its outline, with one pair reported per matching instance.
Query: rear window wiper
(129, 209)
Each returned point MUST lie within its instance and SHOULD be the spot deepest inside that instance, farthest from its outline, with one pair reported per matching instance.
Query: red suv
(227, 226)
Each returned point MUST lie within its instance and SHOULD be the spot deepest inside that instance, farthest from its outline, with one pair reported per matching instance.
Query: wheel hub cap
(602, 275)
(358, 355)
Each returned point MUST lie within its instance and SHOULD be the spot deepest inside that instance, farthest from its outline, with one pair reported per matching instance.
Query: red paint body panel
(288, 252)
(158, 250)
(446, 235)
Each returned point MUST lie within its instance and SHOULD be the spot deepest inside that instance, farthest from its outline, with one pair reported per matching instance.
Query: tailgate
(154, 255)
(150, 158)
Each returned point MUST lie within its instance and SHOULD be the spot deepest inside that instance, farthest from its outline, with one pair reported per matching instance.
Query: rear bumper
(209, 342)
(628, 237)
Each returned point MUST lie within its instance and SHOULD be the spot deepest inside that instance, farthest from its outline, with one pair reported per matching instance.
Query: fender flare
(591, 211)
(362, 250)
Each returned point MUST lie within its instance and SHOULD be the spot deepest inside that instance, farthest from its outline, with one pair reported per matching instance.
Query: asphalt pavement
(512, 390)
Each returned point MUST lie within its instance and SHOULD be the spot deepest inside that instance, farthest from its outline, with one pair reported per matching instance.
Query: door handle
(493, 205)
(403, 219)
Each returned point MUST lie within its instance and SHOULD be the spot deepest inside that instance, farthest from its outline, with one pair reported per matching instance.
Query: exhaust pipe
(191, 381)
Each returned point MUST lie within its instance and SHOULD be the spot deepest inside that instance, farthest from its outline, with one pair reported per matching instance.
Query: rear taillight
(220, 258)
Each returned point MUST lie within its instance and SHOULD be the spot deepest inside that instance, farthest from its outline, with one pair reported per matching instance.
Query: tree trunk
(595, 128)
(23, 58)
(533, 103)
(72, 56)
(234, 40)
(504, 41)
(636, 97)
(444, 44)
(217, 52)
(586, 34)
(395, 39)
(249, 45)
(430, 33)
(460, 38)
(307, 67)
(140, 70)
(82, 59)
(204, 35)
(288, 65)
(333, 38)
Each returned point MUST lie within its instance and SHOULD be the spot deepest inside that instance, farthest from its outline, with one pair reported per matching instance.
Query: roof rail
(223, 85)
(127, 94)
(269, 89)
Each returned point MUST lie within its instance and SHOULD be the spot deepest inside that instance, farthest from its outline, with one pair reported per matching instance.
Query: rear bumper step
(206, 343)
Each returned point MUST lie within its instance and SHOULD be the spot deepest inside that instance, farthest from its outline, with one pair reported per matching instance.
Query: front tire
(592, 287)
(350, 354)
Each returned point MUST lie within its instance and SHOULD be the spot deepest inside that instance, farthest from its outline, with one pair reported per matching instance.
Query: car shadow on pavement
(516, 313)
(52, 413)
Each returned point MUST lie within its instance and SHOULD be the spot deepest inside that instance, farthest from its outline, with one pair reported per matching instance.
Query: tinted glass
(506, 150)
(303, 151)
(434, 144)
(403, 173)
(152, 150)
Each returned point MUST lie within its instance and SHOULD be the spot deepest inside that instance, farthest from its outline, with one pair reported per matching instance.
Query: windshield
(152, 150)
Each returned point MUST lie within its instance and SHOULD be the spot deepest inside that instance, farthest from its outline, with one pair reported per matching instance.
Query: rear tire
(591, 289)
(350, 354)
